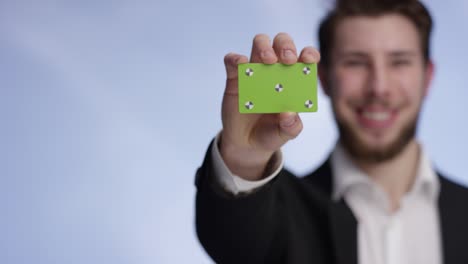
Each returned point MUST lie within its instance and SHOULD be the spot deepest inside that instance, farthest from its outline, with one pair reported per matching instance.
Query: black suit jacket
(294, 220)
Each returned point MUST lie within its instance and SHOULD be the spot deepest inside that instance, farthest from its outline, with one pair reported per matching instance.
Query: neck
(394, 176)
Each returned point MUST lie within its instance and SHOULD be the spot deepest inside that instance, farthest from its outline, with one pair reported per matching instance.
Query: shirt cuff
(233, 183)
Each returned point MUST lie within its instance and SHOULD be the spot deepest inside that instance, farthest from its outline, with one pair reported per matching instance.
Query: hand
(248, 141)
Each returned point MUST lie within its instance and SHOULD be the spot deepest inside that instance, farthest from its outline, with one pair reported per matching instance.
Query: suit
(294, 220)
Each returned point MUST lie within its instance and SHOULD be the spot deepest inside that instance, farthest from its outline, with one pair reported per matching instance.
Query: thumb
(231, 60)
(290, 125)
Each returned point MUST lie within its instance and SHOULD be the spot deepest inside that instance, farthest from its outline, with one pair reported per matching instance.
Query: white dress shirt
(411, 235)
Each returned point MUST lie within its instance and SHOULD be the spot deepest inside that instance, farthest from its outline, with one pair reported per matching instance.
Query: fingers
(309, 55)
(285, 48)
(283, 51)
(262, 52)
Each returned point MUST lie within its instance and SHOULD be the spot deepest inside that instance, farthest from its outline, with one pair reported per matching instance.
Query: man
(377, 199)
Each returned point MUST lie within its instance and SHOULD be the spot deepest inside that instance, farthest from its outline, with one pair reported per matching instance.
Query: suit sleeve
(237, 228)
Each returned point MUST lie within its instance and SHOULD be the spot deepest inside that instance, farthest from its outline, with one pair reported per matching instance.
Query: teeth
(377, 116)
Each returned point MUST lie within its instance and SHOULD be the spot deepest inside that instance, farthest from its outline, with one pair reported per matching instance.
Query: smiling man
(377, 199)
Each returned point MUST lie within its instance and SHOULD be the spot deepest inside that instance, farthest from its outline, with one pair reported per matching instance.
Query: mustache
(379, 102)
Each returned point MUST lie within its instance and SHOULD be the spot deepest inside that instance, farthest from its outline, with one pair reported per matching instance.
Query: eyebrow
(403, 53)
(361, 54)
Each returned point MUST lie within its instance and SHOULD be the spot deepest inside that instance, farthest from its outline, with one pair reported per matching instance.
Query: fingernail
(288, 122)
(309, 53)
(266, 54)
(288, 54)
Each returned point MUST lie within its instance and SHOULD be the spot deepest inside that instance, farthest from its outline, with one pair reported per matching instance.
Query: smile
(377, 116)
(372, 118)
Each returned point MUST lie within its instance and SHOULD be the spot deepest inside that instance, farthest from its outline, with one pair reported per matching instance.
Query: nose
(379, 77)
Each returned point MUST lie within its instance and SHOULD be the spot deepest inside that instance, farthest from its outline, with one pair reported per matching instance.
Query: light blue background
(107, 107)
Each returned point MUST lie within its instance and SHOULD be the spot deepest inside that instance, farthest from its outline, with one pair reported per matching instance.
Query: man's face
(377, 80)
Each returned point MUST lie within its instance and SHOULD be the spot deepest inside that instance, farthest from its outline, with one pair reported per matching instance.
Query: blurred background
(107, 108)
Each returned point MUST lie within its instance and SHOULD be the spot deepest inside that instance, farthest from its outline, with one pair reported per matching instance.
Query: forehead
(385, 33)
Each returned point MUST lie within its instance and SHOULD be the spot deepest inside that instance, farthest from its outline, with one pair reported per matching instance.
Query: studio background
(107, 108)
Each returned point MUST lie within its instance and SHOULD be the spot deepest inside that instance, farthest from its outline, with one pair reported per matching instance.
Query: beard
(361, 151)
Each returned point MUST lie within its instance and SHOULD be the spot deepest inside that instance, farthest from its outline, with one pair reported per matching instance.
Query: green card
(277, 88)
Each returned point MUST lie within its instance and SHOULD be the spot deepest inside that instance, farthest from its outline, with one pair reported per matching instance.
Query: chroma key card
(277, 88)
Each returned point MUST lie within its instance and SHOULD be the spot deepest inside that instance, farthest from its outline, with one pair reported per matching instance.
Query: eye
(355, 63)
(401, 62)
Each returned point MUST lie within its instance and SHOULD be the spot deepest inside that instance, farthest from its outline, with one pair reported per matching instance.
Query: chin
(376, 148)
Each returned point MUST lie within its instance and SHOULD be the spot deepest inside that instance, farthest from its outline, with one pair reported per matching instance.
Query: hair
(414, 10)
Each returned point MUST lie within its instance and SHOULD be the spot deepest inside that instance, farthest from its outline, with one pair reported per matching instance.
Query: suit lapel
(453, 222)
(343, 227)
(342, 223)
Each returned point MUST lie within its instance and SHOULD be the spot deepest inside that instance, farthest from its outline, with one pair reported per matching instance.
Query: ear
(323, 76)
(428, 76)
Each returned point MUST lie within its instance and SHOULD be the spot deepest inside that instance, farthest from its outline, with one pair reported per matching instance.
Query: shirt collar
(347, 176)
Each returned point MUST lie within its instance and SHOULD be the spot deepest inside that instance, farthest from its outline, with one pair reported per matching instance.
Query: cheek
(411, 89)
(346, 89)
(348, 85)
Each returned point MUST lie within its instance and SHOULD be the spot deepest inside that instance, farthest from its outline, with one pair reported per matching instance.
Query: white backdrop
(107, 108)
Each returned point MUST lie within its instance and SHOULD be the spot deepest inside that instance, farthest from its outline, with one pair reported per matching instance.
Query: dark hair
(414, 10)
